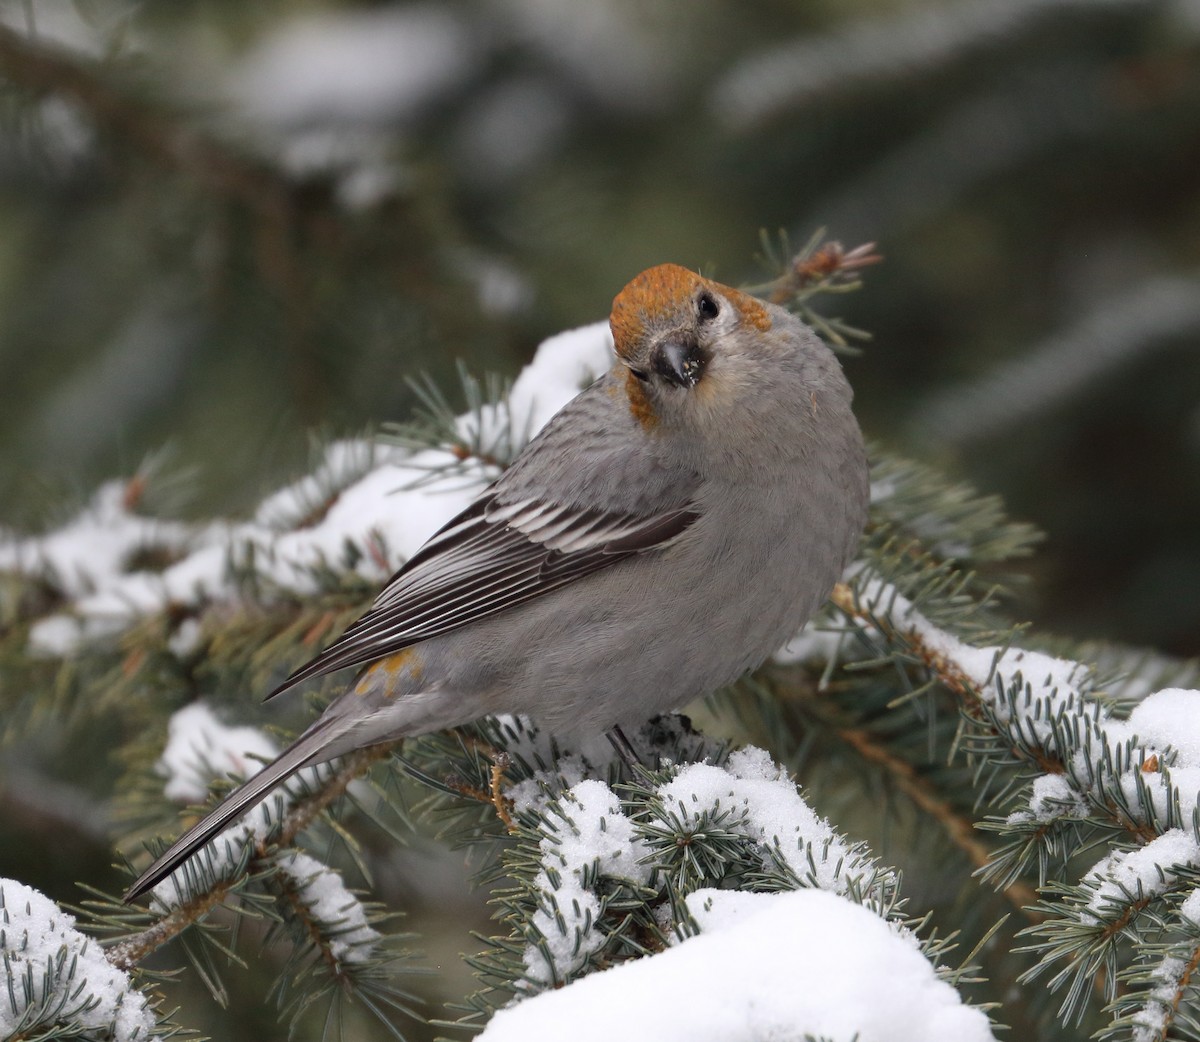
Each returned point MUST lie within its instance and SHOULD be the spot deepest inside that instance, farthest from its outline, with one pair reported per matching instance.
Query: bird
(666, 531)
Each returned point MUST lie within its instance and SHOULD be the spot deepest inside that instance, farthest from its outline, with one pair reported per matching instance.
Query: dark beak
(679, 361)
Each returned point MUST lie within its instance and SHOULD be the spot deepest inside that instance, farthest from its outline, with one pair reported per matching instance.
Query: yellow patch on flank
(388, 670)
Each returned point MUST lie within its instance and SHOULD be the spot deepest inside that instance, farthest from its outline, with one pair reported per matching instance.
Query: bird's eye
(707, 307)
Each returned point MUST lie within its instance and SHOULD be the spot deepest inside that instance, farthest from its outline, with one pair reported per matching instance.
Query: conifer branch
(949, 675)
(132, 950)
(1187, 979)
(129, 953)
(353, 766)
(972, 700)
(958, 827)
(818, 268)
(313, 929)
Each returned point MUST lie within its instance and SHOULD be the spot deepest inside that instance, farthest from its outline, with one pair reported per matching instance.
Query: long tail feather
(308, 748)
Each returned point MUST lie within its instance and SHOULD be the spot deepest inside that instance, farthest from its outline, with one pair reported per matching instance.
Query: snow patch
(52, 965)
(736, 981)
(1053, 797)
(1190, 909)
(591, 835)
(97, 547)
(200, 748)
(1126, 876)
(342, 918)
(753, 795)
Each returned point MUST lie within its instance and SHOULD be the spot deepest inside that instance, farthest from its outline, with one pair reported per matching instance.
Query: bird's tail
(311, 747)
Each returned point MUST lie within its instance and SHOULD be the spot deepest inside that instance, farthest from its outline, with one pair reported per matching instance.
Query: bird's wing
(492, 556)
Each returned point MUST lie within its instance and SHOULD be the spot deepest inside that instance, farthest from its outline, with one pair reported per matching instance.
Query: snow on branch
(1133, 784)
(363, 510)
(761, 966)
(58, 978)
(1143, 773)
(819, 949)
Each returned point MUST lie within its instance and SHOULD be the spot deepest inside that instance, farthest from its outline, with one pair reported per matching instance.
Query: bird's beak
(680, 361)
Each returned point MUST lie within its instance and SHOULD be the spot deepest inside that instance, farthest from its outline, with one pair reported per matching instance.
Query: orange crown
(659, 292)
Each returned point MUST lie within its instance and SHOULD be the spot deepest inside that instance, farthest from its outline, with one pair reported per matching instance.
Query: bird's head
(695, 352)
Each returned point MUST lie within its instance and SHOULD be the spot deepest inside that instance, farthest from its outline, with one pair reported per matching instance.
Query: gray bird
(668, 529)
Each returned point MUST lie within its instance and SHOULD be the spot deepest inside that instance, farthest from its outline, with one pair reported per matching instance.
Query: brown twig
(131, 951)
(305, 812)
(960, 829)
(1185, 979)
(827, 266)
(950, 676)
(500, 764)
(463, 452)
(493, 795)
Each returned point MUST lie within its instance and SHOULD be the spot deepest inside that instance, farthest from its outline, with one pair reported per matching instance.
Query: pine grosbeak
(669, 529)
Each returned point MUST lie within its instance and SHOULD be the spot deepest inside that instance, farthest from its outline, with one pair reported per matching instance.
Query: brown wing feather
(489, 558)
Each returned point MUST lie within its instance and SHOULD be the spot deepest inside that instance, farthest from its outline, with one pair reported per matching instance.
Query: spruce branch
(302, 814)
(688, 826)
(957, 826)
(257, 859)
(925, 686)
(1026, 709)
(819, 268)
(1154, 1002)
(130, 952)
(482, 437)
(797, 700)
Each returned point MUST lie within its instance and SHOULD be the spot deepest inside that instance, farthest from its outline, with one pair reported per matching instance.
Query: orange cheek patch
(639, 403)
